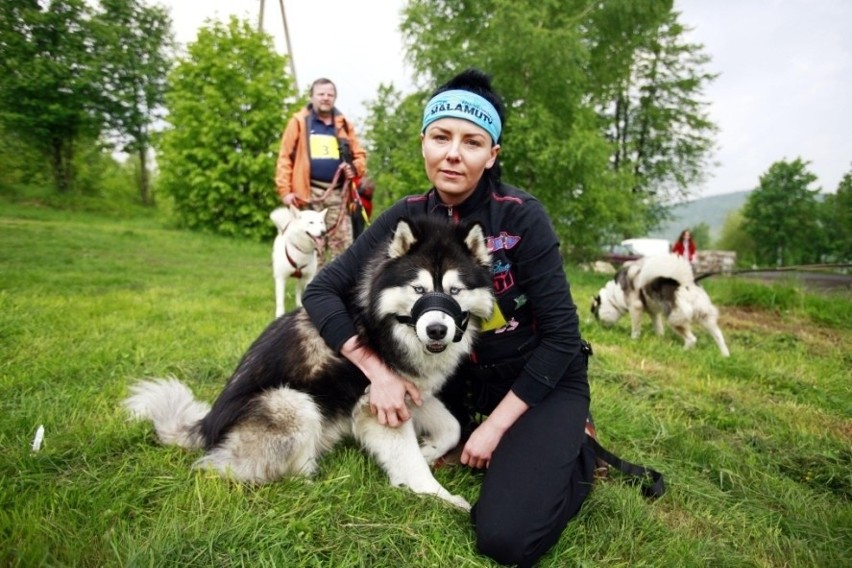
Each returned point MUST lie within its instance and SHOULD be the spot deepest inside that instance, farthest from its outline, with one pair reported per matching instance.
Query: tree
(701, 235)
(557, 64)
(836, 215)
(226, 109)
(19, 163)
(565, 164)
(733, 237)
(134, 43)
(781, 215)
(49, 88)
(392, 132)
(656, 116)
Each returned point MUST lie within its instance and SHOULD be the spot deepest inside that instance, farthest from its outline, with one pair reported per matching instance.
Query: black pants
(540, 472)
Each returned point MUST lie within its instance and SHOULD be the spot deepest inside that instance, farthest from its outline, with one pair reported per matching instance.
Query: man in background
(319, 157)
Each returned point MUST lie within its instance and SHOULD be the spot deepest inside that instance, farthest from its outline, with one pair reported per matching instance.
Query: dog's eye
(419, 290)
(455, 291)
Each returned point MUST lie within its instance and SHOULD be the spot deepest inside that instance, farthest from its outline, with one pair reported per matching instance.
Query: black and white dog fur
(301, 235)
(662, 286)
(291, 398)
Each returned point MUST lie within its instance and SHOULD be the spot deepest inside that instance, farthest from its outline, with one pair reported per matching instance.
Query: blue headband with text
(466, 105)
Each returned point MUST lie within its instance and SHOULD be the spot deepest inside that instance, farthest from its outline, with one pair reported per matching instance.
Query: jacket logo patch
(510, 326)
(503, 241)
(502, 278)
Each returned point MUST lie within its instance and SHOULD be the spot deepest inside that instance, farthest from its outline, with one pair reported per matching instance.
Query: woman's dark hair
(479, 82)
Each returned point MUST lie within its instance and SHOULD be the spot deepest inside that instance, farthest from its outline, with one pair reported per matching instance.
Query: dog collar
(442, 303)
(298, 271)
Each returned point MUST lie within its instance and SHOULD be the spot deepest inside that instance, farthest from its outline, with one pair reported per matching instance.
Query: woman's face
(456, 153)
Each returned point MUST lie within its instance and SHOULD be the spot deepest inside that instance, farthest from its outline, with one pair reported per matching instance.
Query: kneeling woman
(528, 372)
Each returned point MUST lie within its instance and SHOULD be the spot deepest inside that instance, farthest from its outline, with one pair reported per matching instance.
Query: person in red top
(685, 246)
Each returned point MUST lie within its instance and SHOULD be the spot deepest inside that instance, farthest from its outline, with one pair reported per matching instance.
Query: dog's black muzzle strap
(442, 303)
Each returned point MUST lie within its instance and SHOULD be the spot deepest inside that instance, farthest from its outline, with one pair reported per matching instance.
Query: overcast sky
(784, 89)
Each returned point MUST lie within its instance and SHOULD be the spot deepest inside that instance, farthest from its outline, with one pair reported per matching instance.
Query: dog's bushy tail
(281, 216)
(172, 408)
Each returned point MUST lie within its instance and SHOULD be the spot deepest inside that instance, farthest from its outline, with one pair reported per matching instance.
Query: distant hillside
(710, 210)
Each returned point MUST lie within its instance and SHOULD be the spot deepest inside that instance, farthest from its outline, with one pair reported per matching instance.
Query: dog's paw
(430, 451)
(458, 501)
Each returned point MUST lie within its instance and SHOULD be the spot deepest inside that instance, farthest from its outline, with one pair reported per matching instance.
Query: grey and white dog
(291, 398)
(662, 286)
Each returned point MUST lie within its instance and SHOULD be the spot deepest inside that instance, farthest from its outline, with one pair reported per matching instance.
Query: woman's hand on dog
(388, 390)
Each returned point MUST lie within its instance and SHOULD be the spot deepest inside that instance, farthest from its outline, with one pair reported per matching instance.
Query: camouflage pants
(337, 219)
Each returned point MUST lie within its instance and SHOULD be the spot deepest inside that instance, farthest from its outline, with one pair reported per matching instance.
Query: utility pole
(289, 47)
(286, 37)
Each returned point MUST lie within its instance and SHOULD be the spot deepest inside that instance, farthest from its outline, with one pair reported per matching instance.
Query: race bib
(324, 146)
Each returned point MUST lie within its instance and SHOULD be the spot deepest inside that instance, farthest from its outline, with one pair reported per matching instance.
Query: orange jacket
(293, 171)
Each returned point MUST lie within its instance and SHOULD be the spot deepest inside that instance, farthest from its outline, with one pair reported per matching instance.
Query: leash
(356, 197)
(653, 486)
(330, 187)
(346, 190)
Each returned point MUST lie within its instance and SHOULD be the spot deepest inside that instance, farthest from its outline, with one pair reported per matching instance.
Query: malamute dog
(301, 233)
(291, 398)
(660, 285)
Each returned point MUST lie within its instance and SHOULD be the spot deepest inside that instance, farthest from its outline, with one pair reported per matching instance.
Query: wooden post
(289, 47)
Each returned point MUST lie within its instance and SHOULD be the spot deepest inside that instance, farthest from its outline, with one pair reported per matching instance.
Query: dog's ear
(475, 242)
(402, 241)
(294, 210)
(596, 304)
(324, 214)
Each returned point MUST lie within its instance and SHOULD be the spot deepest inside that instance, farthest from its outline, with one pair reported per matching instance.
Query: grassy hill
(710, 210)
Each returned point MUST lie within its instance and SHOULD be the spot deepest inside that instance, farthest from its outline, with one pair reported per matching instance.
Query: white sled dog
(291, 398)
(301, 235)
(660, 285)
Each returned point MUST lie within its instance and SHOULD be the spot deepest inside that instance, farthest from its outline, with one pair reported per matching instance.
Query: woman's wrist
(506, 413)
(360, 356)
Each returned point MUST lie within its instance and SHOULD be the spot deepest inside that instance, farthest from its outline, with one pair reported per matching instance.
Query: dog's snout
(436, 331)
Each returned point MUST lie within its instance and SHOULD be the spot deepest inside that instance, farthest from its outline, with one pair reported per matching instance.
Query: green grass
(756, 449)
